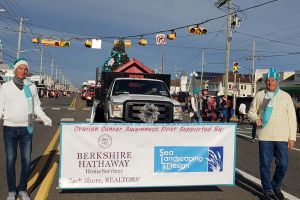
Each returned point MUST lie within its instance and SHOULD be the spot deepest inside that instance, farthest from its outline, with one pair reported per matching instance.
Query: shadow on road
(248, 185)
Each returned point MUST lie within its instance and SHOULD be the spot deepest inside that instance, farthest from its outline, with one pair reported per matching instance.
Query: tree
(118, 57)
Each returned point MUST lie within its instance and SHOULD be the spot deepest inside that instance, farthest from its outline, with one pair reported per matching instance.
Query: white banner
(146, 155)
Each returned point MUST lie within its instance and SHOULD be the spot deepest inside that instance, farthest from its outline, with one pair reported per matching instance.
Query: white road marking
(55, 108)
(243, 132)
(257, 181)
(246, 136)
(86, 108)
(71, 108)
(67, 119)
(248, 128)
(88, 119)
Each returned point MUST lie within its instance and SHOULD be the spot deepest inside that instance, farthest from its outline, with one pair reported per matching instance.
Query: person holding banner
(276, 136)
(19, 101)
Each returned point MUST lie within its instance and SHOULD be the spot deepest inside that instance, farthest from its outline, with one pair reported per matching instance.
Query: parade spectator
(229, 109)
(242, 111)
(212, 108)
(195, 107)
(223, 112)
(276, 136)
(19, 101)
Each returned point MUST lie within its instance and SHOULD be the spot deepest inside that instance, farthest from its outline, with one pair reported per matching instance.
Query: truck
(126, 97)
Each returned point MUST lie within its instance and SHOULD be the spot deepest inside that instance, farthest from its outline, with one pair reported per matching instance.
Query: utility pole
(234, 98)
(41, 64)
(52, 65)
(56, 66)
(20, 36)
(228, 40)
(202, 66)
(162, 60)
(59, 77)
(1, 49)
(1, 46)
(253, 89)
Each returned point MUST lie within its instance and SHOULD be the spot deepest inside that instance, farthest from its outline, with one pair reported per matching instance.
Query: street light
(1, 58)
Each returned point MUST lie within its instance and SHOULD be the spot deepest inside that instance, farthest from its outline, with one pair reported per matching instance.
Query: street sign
(161, 39)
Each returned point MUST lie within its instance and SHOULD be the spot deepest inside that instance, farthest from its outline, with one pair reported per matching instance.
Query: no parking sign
(161, 39)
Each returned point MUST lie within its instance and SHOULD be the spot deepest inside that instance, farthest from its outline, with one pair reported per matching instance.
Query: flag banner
(146, 155)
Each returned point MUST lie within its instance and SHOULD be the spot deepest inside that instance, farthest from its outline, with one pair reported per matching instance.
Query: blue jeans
(268, 149)
(14, 136)
(197, 117)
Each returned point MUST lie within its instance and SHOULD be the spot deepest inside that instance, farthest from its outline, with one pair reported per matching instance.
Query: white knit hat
(20, 61)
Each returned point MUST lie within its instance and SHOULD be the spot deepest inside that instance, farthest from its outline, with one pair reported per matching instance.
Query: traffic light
(88, 43)
(171, 36)
(35, 40)
(55, 43)
(143, 42)
(235, 67)
(197, 30)
(127, 43)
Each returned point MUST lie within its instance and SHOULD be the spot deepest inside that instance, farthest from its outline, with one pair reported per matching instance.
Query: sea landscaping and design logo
(188, 159)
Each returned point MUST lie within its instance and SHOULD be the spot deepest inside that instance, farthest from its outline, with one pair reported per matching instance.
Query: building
(243, 85)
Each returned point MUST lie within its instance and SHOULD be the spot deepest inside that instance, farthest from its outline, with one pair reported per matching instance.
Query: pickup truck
(135, 98)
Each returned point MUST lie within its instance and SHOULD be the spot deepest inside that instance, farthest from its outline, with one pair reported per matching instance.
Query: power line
(151, 33)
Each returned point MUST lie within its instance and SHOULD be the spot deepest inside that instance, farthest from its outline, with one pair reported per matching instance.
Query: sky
(274, 27)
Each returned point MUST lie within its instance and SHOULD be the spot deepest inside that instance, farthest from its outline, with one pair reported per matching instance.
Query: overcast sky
(273, 26)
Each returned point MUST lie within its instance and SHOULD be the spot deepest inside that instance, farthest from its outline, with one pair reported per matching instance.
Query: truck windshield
(137, 86)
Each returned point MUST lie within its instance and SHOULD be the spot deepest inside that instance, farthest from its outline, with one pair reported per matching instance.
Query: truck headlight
(177, 112)
(117, 110)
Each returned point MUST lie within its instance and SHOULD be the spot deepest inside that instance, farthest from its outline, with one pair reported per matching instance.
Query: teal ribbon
(267, 111)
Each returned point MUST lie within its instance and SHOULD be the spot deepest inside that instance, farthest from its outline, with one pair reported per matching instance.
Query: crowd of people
(208, 108)
(52, 93)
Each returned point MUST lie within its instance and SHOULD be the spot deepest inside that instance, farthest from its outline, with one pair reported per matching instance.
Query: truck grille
(133, 109)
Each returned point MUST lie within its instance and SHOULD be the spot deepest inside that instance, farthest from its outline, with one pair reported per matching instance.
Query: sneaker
(11, 196)
(266, 196)
(23, 195)
(254, 140)
(278, 194)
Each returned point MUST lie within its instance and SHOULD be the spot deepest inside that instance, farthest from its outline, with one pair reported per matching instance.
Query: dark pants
(14, 136)
(268, 149)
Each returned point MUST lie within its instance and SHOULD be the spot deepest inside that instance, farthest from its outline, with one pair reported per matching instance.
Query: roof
(134, 66)
(209, 75)
(175, 83)
(243, 78)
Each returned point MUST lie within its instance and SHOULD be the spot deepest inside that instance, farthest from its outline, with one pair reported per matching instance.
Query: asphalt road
(44, 177)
